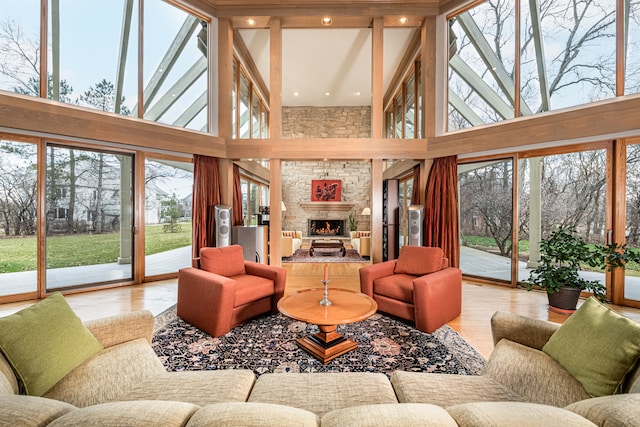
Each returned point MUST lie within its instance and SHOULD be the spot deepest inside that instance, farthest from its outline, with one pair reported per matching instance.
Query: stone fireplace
(326, 228)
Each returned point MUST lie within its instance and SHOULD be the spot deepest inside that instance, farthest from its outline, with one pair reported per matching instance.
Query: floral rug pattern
(268, 344)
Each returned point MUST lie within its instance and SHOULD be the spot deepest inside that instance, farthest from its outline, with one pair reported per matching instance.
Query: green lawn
(19, 253)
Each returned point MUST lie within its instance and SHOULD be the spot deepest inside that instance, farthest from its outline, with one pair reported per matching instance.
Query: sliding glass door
(89, 217)
(167, 229)
(486, 212)
(18, 209)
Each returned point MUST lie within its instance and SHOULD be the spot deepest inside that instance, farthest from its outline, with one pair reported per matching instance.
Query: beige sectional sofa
(361, 242)
(125, 384)
(290, 242)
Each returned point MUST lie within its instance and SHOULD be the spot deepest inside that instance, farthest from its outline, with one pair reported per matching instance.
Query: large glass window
(404, 112)
(568, 53)
(481, 65)
(175, 66)
(562, 190)
(632, 270)
(18, 208)
(95, 69)
(89, 227)
(486, 224)
(254, 195)
(167, 229)
(405, 188)
(567, 58)
(19, 44)
(632, 38)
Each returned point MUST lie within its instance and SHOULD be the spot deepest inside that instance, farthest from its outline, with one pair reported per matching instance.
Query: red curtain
(206, 194)
(238, 216)
(441, 210)
(415, 190)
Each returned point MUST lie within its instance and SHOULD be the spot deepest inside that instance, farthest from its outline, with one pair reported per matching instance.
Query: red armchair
(419, 286)
(224, 290)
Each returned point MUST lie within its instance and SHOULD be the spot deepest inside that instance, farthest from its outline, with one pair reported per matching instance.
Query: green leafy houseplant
(561, 256)
(353, 222)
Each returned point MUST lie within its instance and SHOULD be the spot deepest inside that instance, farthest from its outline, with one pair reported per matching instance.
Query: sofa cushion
(397, 286)
(389, 415)
(129, 414)
(288, 234)
(44, 342)
(8, 380)
(251, 288)
(527, 370)
(615, 410)
(507, 414)
(248, 414)
(597, 346)
(31, 410)
(419, 260)
(323, 392)
(446, 390)
(227, 261)
(198, 387)
(110, 373)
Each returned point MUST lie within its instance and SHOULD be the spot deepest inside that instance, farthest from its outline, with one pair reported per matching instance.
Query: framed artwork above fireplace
(326, 190)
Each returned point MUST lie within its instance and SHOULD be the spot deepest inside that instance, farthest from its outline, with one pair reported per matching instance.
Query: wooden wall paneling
(594, 122)
(428, 76)
(41, 224)
(225, 79)
(139, 217)
(275, 215)
(275, 81)
(27, 115)
(616, 211)
(317, 148)
(377, 82)
(376, 210)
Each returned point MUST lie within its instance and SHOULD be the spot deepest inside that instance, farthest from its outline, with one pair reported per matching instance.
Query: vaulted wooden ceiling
(296, 13)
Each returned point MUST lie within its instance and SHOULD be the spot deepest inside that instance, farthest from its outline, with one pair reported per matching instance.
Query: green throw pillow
(597, 346)
(44, 342)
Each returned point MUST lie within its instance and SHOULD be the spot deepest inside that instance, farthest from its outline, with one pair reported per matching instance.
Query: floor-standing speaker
(416, 225)
(223, 225)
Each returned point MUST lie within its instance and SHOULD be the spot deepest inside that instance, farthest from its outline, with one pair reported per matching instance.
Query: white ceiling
(327, 60)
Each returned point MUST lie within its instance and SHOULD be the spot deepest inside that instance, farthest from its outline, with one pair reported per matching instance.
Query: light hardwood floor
(479, 301)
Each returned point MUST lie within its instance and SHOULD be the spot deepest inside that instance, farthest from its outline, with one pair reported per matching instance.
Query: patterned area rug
(324, 255)
(267, 344)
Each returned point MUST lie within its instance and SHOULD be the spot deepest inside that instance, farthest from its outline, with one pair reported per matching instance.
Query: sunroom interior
(542, 136)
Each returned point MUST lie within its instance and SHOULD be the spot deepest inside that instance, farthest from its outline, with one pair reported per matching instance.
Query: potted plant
(561, 257)
(353, 222)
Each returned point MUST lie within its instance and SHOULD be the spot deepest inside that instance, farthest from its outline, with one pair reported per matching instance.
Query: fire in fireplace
(326, 227)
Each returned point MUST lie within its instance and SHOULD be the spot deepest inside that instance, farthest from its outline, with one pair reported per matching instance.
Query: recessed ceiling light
(356, 93)
(296, 93)
(327, 93)
(403, 20)
(250, 21)
(326, 21)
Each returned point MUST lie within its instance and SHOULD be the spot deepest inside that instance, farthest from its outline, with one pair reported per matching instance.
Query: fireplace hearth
(326, 228)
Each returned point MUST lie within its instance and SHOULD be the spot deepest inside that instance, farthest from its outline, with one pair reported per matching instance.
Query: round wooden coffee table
(346, 307)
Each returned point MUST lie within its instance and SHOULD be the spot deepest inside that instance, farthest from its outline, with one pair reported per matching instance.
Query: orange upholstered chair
(419, 286)
(223, 290)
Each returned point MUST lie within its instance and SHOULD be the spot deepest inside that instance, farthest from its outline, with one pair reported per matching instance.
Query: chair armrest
(272, 272)
(437, 298)
(533, 333)
(125, 327)
(286, 246)
(372, 272)
(365, 246)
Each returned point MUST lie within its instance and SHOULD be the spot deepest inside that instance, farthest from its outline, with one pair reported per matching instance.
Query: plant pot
(565, 298)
